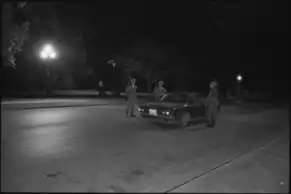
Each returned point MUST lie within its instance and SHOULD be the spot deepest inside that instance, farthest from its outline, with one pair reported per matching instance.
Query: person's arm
(165, 91)
(134, 90)
(207, 100)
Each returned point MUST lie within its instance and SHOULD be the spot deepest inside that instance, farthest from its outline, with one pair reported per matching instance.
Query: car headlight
(166, 113)
(140, 109)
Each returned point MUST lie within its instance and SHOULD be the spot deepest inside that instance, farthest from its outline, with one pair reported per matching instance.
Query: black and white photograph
(138, 96)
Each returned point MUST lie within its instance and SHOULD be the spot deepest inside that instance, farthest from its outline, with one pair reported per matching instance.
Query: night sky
(248, 37)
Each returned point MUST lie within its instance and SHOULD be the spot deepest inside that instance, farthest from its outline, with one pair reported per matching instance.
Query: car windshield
(179, 98)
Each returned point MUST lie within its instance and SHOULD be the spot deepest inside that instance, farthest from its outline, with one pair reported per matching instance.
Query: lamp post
(239, 80)
(47, 55)
(113, 63)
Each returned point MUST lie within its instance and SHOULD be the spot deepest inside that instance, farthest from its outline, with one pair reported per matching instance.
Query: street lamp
(239, 79)
(113, 63)
(48, 54)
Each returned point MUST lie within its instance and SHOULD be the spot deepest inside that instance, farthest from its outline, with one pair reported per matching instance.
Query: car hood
(163, 105)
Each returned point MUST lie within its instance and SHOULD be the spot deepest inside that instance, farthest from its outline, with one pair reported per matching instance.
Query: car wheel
(184, 119)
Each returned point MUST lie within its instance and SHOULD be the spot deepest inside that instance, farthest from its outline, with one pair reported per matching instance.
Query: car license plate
(153, 112)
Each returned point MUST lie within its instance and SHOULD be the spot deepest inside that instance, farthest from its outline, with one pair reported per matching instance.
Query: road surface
(96, 149)
(54, 103)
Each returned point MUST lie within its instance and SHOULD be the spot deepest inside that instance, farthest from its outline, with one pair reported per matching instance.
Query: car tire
(184, 119)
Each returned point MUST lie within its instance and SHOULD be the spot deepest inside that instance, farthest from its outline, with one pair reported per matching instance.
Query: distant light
(43, 55)
(48, 48)
(239, 78)
(112, 62)
(53, 55)
(48, 52)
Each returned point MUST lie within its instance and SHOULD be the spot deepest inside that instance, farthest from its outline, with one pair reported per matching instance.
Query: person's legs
(132, 109)
(211, 114)
(127, 109)
(215, 111)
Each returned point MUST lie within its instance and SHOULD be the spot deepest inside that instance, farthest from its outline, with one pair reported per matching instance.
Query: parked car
(182, 107)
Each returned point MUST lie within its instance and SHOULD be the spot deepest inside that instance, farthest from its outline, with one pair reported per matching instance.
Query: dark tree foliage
(15, 31)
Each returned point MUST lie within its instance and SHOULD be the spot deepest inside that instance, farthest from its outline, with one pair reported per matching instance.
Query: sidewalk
(57, 103)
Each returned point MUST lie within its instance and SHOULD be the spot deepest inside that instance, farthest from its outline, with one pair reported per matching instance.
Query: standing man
(130, 92)
(159, 90)
(101, 88)
(212, 103)
(100, 84)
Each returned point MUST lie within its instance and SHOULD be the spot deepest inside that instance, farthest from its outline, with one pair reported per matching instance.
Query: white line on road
(222, 165)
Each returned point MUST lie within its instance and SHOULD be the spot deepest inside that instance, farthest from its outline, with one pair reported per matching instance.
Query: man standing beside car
(159, 90)
(131, 103)
(212, 103)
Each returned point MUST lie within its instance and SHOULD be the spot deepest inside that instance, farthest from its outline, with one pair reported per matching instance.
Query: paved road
(265, 170)
(96, 149)
(52, 103)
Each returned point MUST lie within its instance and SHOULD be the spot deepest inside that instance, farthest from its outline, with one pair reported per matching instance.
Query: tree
(144, 59)
(17, 20)
(15, 31)
(38, 22)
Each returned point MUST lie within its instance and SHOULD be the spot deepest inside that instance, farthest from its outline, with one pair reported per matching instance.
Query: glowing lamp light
(48, 49)
(43, 55)
(48, 52)
(239, 78)
(53, 55)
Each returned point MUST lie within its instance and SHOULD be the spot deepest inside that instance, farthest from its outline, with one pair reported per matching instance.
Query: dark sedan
(182, 107)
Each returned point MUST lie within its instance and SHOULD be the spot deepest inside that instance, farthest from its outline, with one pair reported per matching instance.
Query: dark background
(219, 39)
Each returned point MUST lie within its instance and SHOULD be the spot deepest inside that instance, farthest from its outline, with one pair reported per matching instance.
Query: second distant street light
(113, 63)
(239, 79)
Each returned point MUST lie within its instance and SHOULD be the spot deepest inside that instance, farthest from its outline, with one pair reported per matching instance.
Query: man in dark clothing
(212, 103)
(159, 91)
(130, 92)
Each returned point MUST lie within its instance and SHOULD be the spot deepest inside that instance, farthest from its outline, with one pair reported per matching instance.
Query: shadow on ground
(196, 125)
